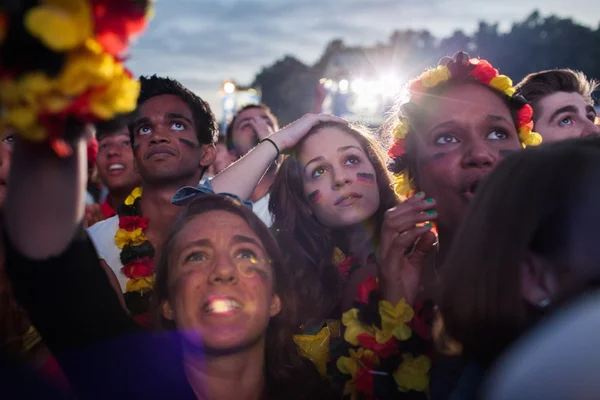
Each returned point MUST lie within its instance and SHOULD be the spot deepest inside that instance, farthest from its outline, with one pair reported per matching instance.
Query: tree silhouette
(533, 44)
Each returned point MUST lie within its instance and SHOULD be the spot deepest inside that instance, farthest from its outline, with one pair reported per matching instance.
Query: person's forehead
(552, 102)
(251, 113)
(162, 105)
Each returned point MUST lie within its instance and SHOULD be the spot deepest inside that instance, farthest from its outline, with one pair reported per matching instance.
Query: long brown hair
(286, 369)
(528, 204)
(308, 245)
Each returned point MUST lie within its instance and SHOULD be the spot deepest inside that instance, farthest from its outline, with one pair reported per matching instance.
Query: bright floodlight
(343, 86)
(389, 85)
(358, 86)
(229, 87)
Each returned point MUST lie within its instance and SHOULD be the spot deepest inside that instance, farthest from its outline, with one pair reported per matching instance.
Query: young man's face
(165, 145)
(563, 115)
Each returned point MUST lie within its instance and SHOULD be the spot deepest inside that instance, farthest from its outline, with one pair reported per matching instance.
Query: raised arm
(242, 177)
(45, 202)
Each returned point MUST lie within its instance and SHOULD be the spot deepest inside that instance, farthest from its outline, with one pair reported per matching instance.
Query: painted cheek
(187, 143)
(315, 197)
(365, 178)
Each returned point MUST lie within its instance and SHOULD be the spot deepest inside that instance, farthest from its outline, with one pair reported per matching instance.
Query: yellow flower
(354, 327)
(510, 91)
(119, 97)
(60, 24)
(315, 348)
(412, 374)
(137, 192)
(144, 284)
(393, 321)
(401, 130)
(351, 365)
(435, 76)
(9, 92)
(501, 83)
(401, 183)
(24, 120)
(338, 256)
(84, 70)
(529, 138)
(133, 238)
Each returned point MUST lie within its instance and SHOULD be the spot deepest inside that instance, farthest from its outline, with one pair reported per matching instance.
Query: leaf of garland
(131, 253)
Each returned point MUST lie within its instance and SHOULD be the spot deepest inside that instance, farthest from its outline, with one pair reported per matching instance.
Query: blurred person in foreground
(562, 103)
(528, 242)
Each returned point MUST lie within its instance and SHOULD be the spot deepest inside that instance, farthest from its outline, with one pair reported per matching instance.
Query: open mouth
(347, 199)
(222, 306)
(469, 192)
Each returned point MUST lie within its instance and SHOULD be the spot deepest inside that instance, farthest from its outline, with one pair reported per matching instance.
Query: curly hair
(207, 129)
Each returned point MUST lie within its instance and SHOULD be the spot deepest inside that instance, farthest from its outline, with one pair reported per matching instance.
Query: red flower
(132, 223)
(365, 288)
(139, 268)
(483, 71)
(143, 320)
(382, 350)
(92, 151)
(364, 382)
(421, 324)
(116, 22)
(397, 149)
(344, 266)
(525, 115)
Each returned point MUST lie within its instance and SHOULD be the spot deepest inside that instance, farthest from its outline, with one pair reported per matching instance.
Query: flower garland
(137, 253)
(383, 346)
(73, 69)
(461, 67)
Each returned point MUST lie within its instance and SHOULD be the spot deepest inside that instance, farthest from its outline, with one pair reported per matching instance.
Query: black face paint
(188, 143)
(433, 157)
(136, 147)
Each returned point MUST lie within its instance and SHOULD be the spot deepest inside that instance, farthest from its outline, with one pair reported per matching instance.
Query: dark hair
(308, 245)
(229, 131)
(288, 374)
(207, 129)
(534, 87)
(416, 113)
(528, 204)
(110, 127)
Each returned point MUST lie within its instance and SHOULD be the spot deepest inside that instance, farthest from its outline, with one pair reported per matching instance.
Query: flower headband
(461, 66)
(61, 61)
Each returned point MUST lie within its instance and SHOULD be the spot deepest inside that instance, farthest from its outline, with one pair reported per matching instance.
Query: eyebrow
(245, 239)
(561, 110)
(179, 116)
(339, 150)
(144, 120)
(200, 242)
(443, 125)
(496, 118)
(246, 119)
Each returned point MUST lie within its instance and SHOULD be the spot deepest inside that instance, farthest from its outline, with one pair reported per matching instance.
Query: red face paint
(365, 178)
(315, 197)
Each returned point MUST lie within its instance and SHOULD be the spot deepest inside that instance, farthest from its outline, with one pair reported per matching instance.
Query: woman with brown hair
(528, 243)
(459, 122)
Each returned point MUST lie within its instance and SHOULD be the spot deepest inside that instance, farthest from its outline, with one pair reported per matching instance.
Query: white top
(103, 237)
(261, 208)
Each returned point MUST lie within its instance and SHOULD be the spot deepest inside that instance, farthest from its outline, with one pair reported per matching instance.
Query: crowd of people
(145, 254)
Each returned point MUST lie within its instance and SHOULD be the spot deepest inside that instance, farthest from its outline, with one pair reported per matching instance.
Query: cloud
(202, 42)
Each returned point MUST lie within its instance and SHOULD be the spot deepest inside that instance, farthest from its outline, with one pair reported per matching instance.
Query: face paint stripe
(187, 143)
(365, 178)
(315, 197)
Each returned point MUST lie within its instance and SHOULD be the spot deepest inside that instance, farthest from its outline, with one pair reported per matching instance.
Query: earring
(544, 303)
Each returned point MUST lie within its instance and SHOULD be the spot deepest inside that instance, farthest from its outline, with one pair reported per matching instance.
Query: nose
(477, 154)
(224, 271)
(341, 177)
(159, 136)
